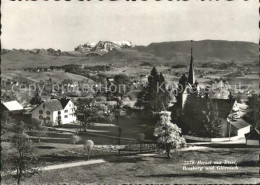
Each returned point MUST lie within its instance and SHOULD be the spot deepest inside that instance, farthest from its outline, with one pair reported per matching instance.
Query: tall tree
(211, 121)
(36, 100)
(253, 114)
(114, 114)
(200, 117)
(154, 96)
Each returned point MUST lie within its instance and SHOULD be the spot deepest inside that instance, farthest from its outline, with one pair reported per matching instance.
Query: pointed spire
(191, 77)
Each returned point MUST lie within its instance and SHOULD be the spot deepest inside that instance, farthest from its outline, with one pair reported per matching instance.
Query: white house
(55, 112)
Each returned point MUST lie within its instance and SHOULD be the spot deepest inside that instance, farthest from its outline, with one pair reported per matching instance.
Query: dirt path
(73, 164)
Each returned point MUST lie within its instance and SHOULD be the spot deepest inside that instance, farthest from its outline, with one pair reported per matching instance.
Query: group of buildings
(230, 111)
(53, 112)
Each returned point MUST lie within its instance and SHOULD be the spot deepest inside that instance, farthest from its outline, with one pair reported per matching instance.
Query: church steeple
(191, 77)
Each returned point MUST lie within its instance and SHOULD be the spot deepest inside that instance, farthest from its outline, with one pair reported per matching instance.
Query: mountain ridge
(204, 51)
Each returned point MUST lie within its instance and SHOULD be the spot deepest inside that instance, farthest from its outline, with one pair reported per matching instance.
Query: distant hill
(106, 52)
(223, 50)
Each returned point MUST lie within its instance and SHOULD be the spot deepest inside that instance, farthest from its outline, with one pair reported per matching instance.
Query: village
(112, 117)
(130, 92)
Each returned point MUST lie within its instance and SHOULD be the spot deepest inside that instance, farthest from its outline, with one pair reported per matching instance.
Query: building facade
(55, 112)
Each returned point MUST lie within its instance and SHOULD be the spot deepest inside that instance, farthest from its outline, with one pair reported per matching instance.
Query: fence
(204, 139)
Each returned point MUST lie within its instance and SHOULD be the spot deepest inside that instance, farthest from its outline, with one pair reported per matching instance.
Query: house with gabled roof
(11, 109)
(55, 112)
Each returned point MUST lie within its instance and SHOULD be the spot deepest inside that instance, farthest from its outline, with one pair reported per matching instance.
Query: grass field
(56, 76)
(157, 169)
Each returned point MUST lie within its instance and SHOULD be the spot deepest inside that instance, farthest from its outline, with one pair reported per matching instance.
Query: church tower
(191, 77)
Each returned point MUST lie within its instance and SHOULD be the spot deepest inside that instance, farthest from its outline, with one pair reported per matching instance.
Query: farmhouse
(55, 112)
(11, 109)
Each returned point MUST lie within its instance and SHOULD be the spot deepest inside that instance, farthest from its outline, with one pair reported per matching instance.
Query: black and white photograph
(130, 92)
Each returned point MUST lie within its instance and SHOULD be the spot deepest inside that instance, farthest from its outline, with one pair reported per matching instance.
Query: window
(43, 106)
(48, 118)
(66, 116)
(48, 112)
(66, 111)
(40, 117)
(40, 112)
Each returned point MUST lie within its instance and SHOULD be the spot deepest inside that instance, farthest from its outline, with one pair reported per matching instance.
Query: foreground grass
(158, 169)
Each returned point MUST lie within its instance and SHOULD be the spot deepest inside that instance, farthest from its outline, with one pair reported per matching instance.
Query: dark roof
(253, 134)
(64, 102)
(224, 106)
(240, 123)
(54, 105)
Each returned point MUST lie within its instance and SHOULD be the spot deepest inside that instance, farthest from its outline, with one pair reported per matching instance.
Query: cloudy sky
(64, 25)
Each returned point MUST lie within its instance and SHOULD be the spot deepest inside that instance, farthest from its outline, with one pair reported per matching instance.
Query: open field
(56, 76)
(158, 169)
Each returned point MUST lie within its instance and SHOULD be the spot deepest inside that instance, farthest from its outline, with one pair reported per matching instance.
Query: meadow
(147, 169)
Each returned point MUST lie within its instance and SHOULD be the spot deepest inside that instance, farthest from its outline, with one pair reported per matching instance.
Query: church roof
(240, 123)
(191, 77)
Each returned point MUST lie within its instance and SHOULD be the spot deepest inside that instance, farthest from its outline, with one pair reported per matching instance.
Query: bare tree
(75, 139)
(21, 158)
(38, 127)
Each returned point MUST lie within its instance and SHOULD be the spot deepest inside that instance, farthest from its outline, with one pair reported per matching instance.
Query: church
(187, 84)
(225, 105)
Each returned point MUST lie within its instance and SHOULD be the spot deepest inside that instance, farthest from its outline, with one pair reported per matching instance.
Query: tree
(154, 96)
(114, 113)
(88, 111)
(88, 146)
(36, 100)
(200, 117)
(75, 139)
(21, 158)
(253, 115)
(168, 134)
(37, 127)
(122, 84)
(212, 121)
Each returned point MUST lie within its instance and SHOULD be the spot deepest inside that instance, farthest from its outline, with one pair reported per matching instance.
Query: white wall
(252, 142)
(71, 117)
(36, 114)
(243, 131)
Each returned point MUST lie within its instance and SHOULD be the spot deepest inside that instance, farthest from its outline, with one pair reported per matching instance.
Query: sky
(67, 24)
